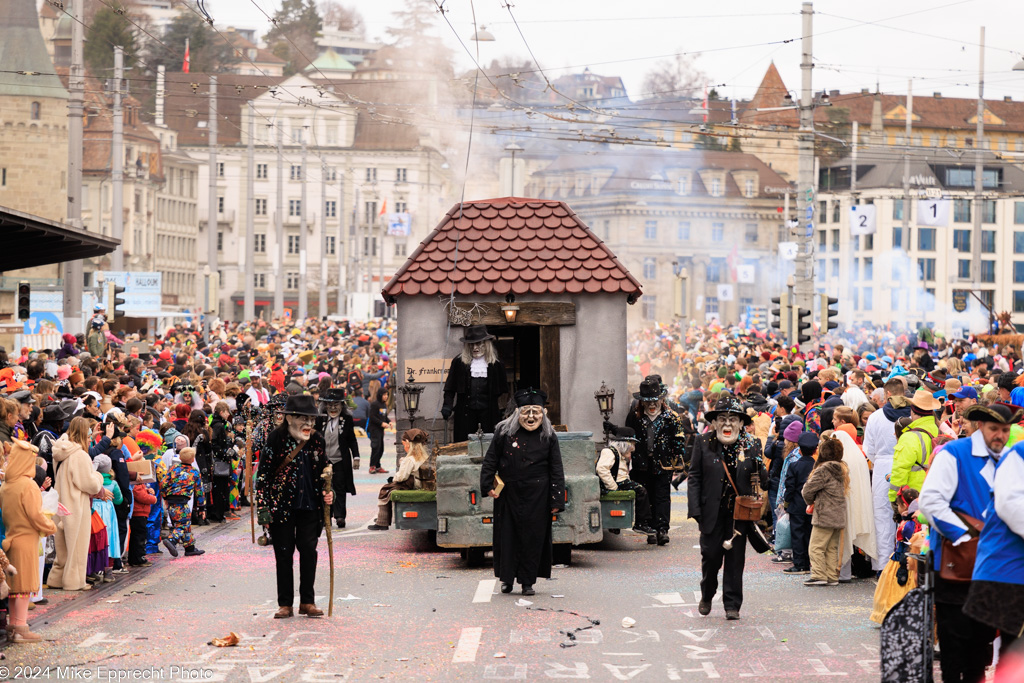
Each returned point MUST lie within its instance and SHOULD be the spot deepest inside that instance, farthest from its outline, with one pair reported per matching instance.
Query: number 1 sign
(862, 219)
(933, 212)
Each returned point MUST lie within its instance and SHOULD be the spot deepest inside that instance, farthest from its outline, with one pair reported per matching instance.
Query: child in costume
(178, 484)
(105, 510)
(900, 575)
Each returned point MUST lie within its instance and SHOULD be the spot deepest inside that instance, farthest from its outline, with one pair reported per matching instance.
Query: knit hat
(101, 463)
(811, 391)
(793, 431)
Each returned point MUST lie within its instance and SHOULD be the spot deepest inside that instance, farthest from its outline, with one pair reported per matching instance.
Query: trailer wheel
(561, 553)
(432, 538)
(474, 556)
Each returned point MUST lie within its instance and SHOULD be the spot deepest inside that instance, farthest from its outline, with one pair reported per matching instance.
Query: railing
(10, 284)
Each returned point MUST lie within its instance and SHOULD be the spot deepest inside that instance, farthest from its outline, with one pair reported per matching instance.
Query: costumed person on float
(342, 449)
(290, 495)
(613, 472)
(659, 453)
(725, 480)
(476, 381)
(522, 471)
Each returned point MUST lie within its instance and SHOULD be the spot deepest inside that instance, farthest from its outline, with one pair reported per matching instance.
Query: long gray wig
(490, 354)
(510, 425)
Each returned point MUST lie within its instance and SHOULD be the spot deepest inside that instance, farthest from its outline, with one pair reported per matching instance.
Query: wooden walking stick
(327, 475)
(248, 479)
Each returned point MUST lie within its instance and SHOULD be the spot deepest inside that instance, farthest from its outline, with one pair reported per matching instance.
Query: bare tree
(342, 18)
(673, 78)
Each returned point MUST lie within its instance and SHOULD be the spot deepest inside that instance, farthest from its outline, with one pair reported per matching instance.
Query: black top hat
(530, 397)
(728, 406)
(625, 434)
(333, 395)
(476, 333)
(302, 404)
(58, 412)
(650, 390)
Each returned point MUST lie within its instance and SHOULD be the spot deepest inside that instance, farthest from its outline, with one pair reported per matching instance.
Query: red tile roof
(511, 245)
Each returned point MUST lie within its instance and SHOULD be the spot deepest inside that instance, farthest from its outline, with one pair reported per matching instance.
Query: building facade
(700, 230)
(923, 264)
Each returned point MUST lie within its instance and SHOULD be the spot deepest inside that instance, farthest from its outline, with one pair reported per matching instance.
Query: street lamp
(513, 148)
(411, 398)
(605, 398)
(510, 309)
(482, 35)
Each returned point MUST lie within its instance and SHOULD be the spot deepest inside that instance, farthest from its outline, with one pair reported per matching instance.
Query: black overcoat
(531, 467)
(707, 484)
(456, 396)
(343, 478)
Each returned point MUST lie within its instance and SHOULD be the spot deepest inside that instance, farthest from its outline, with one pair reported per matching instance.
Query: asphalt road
(408, 612)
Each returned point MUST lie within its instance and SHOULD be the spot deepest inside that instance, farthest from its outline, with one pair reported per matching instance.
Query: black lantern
(510, 309)
(605, 398)
(411, 398)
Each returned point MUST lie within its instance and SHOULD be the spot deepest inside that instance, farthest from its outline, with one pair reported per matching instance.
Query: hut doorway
(530, 354)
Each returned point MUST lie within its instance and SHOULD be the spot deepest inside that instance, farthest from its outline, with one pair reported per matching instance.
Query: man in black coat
(799, 521)
(336, 425)
(525, 455)
(712, 499)
(476, 381)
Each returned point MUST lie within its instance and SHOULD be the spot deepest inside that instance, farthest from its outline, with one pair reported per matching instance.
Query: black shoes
(662, 537)
(376, 527)
(732, 614)
(704, 608)
(643, 529)
(170, 548)
(192, 551)
(340, 523)
(528, 590)
(796, 570)
(506, 587)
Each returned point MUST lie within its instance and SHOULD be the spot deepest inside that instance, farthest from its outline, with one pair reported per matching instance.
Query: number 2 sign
(934, 212)
(862, 219)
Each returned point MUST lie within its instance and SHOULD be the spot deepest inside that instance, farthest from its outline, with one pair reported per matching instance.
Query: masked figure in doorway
(290, 496)
(659, 454)
(721, 467)
(522, 471)
(475, 382)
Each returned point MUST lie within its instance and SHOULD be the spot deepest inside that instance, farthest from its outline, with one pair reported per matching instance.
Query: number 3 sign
(862, 219)
(933, 212)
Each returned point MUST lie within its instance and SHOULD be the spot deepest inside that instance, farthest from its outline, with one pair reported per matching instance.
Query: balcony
(223, 217)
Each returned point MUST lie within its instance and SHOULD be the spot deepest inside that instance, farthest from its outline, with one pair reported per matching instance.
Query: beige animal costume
(6, 570)
(77, 481)
(22, 506)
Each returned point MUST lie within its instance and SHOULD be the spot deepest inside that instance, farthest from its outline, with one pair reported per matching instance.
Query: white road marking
(670, 598)
(717, 598)
(824, 648)
(821, 670)
(468, 644)
(766, 633)
(757, 670)
(623, 654)
(484, 590)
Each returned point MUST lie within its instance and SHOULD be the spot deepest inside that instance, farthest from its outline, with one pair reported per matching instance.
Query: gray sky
(856, 43)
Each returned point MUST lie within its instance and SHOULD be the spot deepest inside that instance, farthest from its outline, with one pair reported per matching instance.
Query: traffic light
(114, 302)
(24, 301)
(781, 312)
(828, 314)
(801, 322)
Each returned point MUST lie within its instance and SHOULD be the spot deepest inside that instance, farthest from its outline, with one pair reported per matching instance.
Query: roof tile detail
(513, 245)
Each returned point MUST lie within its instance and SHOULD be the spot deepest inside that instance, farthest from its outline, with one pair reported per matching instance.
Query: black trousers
(218, 506)
(965, 644)
(659, 493)
(376, 446)
(712, 556)
(301, 531)
(338, 480)
(121, 511)
(137, 541)
(800, 528)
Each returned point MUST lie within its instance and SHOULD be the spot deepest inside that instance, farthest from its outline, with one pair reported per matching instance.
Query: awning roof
(33, 241)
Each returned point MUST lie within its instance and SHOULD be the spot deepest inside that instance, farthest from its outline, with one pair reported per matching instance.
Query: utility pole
(321, 308)
(249, 306)
(855, 134)
(382, 224)
(117, 166)
(357, 240)
(303, 289)
(342, 240)
(279, 227)
(804, 289)
(76, 104)
(979, 171)
(211, 220)
(906, 166)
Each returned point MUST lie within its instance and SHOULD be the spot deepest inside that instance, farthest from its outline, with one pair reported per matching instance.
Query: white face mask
(334, 409)
(653, 409)
(727, 428)
(531, 417)
(477, 349)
